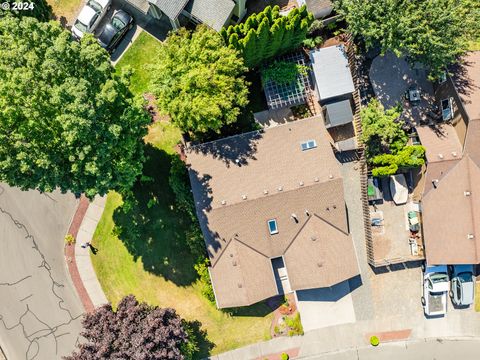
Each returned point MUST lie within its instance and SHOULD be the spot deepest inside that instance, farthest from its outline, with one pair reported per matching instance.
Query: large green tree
(434, 32)
(198, 81)
(268, 34)
(66, 119)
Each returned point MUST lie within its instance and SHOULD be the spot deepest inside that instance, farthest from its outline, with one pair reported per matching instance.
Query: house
(451, 197)
(333, 83)
(214, 13)
(271, 207)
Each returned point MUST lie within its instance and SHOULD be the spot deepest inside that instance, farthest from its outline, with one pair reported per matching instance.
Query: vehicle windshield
(95, 5)
(465, 277)
(438, 278)
(117, 23)
(80, 26)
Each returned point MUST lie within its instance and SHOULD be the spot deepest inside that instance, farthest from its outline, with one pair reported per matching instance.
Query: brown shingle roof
(451, 214)
(466, 78)
(441, 142)
(236, 232)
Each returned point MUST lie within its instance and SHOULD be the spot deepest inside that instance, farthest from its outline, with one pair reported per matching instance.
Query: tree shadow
(260, 309)
(152, 227)
(200, 335)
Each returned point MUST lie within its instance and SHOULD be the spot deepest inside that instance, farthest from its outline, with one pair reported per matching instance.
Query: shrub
(374, 340)
(295, 325)
(284, 356)
(206, 284)
(311, 43)
(283, 72)
(69, 239)
(389, 164)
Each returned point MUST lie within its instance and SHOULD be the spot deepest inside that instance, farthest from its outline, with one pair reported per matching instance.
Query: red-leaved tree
(134, 331)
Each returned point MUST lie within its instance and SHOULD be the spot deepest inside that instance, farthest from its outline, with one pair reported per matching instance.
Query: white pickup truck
(435, 290)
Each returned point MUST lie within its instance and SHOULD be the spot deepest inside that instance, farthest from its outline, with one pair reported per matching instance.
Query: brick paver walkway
(70, 255)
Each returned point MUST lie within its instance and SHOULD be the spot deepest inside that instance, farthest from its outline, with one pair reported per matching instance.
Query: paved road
(433, 349)
(40, 313)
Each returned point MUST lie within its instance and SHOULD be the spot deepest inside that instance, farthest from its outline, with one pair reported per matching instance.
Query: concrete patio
(391, 77)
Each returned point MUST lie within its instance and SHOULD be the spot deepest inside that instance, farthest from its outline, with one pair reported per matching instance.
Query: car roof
(86, 15)
(467, 292)
(107, 34)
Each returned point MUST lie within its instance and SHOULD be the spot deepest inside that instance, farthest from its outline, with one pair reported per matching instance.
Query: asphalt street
(40, 314)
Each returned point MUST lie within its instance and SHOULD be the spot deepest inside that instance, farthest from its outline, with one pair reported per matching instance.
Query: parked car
(114, 31)
(462, 288)
(399, 189)
(90, 16)
(435, 289)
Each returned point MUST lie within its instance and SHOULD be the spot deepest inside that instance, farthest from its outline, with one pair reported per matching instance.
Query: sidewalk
(82, 256)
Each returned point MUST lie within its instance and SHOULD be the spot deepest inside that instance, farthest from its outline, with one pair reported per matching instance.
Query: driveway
(326, 306)
(40, 314)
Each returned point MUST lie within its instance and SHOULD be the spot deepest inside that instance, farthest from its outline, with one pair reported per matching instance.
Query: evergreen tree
(268, 34)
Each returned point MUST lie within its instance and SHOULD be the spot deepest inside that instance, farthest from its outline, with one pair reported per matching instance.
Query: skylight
(310, 144)
(272, 226)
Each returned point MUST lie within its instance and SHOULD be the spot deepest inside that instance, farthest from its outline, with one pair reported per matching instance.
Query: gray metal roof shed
(338, 113)
(331, 72)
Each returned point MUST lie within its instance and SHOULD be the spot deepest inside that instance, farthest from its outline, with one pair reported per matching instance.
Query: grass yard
(158, 268)
(65, 9)
(138, 57)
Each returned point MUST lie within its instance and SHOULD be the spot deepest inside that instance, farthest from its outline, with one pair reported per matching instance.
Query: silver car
(462, 289)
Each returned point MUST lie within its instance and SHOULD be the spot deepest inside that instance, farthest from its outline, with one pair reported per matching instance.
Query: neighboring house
(333, 80)
(319, 8)
(451, 197)
(214, 13)
(271, 208)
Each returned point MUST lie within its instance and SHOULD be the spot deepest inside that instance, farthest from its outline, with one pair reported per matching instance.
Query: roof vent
(467, 193)
(334, 206)
(223, 202)
(244, 197)
(454, 153)
(307, 212)
(301, 183)
(234, 263)
(265, 192)
(280, 188)
(239, 285)
(470, 236)
(295, 218)
(330, 176)
(237, 161)
(316, 179)
(440, 156)
(231, 255)
(319, 264)
(313, 238)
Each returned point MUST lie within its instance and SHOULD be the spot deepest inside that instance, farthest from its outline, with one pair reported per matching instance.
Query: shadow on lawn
(205, 346)
(151, 227)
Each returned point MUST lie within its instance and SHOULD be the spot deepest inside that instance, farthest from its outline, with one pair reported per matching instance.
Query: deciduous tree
(134, 331)
(66, 119)
(198, 81)
(39, 9)
(434, 32)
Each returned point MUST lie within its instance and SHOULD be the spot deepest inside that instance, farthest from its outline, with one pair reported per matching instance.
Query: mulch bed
(70, 255)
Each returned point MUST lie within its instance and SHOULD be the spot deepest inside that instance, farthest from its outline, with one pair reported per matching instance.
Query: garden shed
(338, 113)
(333, 79)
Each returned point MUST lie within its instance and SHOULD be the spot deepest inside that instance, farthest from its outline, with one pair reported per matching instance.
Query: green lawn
(158, 267)
(139, 55)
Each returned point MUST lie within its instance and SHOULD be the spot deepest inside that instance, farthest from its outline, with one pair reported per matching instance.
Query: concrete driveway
(40, 314)
(325, 307)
